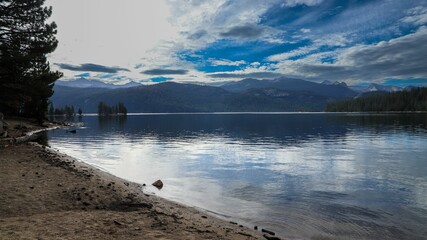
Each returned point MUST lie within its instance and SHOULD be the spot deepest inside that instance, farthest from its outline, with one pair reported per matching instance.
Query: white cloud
(417, 16)
(363, 21)
(204, 22)
(293, 3)
(254, 70)
(107, 31)
(332, 40)
(305, 30)
(328, 40)
(294, 53)
(225, 62)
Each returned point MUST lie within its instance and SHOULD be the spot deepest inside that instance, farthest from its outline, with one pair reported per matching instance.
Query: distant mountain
(176, 97)
(78, 97)
(128, 85)
(327, 82)
(93, 83)
(292, 84)
(162, 97)
(273, 100)
(373, 87)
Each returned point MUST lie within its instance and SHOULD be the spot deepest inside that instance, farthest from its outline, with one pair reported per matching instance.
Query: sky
(215, 41)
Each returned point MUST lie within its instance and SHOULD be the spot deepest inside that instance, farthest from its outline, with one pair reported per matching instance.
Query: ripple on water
(304, 176)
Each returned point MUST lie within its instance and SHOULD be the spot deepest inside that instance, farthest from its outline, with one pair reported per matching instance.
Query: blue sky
(355, 41)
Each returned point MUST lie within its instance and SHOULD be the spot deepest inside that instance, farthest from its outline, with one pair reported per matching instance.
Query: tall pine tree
(25, 40)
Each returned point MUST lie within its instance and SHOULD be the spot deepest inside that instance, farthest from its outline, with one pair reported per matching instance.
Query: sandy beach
(48, 195)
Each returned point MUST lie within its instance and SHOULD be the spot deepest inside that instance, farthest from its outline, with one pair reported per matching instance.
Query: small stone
(268, 231)
(158, 184)
(204, 217)
(256, 227)
(270, 237)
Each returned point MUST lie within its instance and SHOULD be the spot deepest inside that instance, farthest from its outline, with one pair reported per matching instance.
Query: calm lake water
(305, 176)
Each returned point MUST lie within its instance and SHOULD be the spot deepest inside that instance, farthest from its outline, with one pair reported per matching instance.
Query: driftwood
(22, 139)
(26, 138)
(31, 136)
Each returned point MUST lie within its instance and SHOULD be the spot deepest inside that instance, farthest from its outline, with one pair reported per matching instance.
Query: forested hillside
(414, 100)
(176, 97)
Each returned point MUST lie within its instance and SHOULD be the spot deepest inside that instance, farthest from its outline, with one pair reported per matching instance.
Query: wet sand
(48, 195)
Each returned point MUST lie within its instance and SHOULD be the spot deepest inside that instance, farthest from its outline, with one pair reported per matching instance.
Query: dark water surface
(305, 176)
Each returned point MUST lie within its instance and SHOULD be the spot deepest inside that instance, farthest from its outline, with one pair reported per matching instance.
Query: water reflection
(303, 175)
(107, 122)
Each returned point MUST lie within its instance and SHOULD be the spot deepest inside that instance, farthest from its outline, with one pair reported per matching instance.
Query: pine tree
(25, 40)
(106, 110)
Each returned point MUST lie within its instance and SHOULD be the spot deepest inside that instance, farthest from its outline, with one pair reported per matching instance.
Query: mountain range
(93, 83)
(291, 84)
(248, 95)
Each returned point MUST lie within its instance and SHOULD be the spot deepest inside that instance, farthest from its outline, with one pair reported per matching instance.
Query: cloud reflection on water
(340, 174)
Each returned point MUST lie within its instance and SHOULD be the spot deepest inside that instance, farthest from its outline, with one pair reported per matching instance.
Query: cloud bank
(248, 31)
(159, 71)
(403, 57)
(357, 41)
(90, 67)
(261, 75)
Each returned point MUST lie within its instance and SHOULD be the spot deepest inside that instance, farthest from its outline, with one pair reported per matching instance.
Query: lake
(302, 175)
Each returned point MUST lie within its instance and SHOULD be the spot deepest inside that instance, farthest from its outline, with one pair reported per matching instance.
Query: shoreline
(248, 113)
(50, 195)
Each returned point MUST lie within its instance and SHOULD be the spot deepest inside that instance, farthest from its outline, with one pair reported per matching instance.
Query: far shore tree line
(68, 111)
(403, 101)
(103, 110)
(113, 110)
